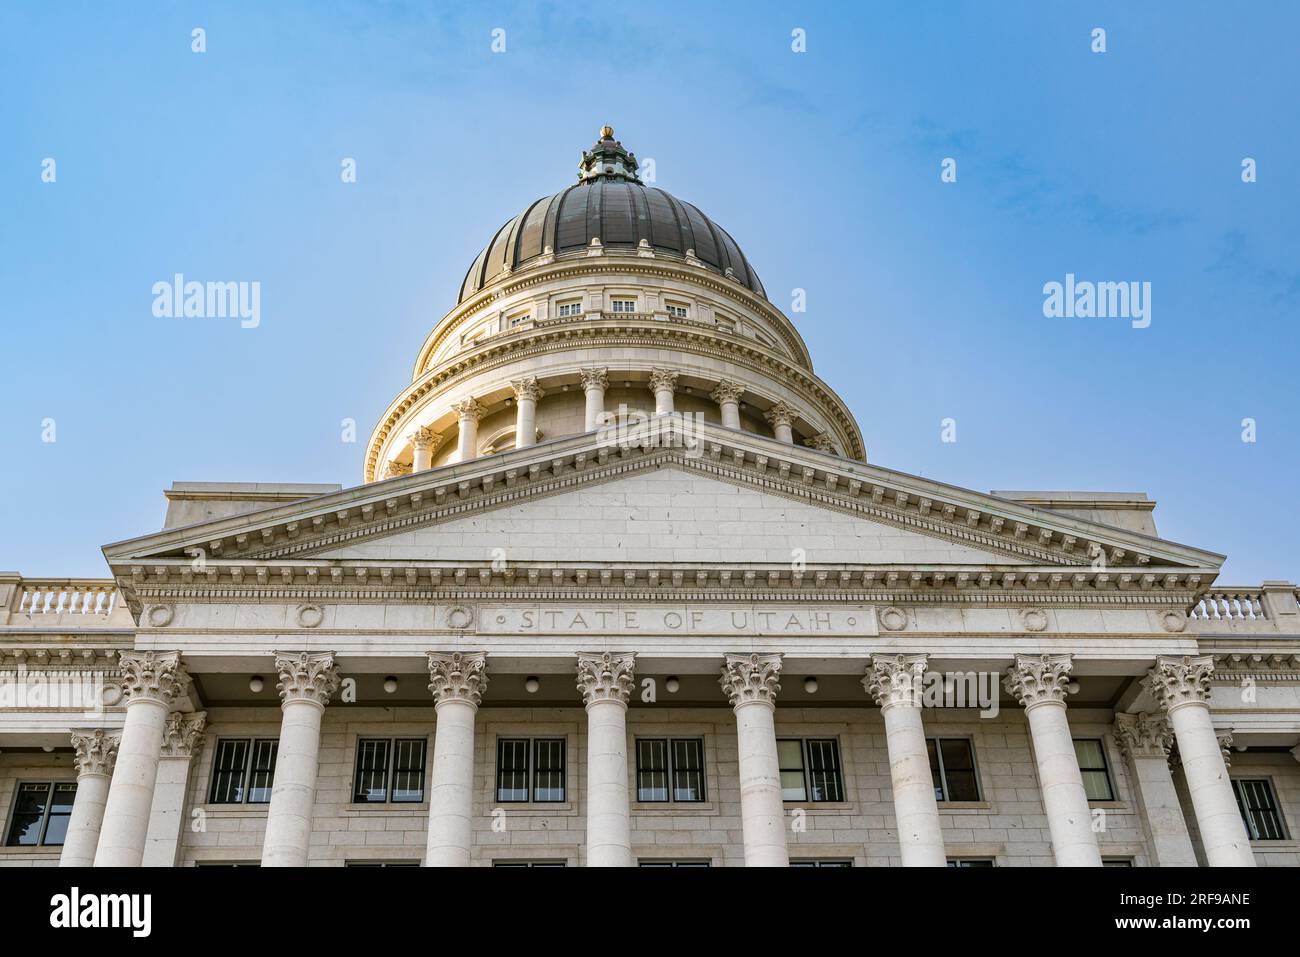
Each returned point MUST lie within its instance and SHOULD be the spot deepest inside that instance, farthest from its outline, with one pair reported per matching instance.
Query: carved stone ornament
(779, 414)
(527, 388)
(1143, 735)
(895, 679)
(594, 378)
(96, 751)
(307, 677)
(605, 676)
(751, 678)
(663, 380)
(469, 409)
(425, 439)
(160, 616)
(1174, 682)
(182, 733)
(460, 617)
(1033, 619)
(1038, 679)
(1173, 621)
(821, 442)
(153, 676)
(310, 616)
(893, 619)
(727, 392)
(395, 469)
(458, 676)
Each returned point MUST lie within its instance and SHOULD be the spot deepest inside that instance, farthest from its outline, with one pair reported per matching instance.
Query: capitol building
(619, 585)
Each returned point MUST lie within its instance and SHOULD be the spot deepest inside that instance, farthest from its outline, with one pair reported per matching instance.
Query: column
(96, 751)
(605, 681)
(1182, 686)
(457, 682)
(468, 413)
(780, 417)
(1038, 682)
(727, 395)
(894, 681)
(527, 392)
(182, 740)
(152, 681)
(750, 684)
(1144, 740)
(594, 383)
(662, 383)
(306, 683)
(425, 441)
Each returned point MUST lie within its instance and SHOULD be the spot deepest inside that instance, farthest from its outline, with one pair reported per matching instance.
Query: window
(952, 766)
(1259, 809)
(809, 862)
(1117, 862)
(542, 757)
(810, 770)
(669, 769)
(41, 813)
(518, 319)
(676, 310)
(569, 309)
(243, 771)
(623, 305)
(1092, 765)
(654, 863)
(970, 862)
(389, 770)
(528, 863)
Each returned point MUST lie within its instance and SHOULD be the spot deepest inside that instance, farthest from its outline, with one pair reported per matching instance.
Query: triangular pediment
(730, 497)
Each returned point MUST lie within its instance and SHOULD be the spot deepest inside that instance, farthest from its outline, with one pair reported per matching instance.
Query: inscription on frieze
(752, 620)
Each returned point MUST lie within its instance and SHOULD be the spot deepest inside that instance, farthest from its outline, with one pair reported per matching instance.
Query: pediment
(733, 497)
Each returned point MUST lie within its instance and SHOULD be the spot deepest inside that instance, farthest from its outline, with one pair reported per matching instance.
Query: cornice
(580, 265)
(570, 335)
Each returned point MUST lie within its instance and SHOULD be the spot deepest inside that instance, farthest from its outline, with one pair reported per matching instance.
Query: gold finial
(606, 132)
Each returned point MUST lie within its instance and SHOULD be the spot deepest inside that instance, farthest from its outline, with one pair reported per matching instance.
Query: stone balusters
(152, 681)
(894, 681)
(605, 680)
(96, 753)
(751, 683)
(457, 681)
(306, 683)
(527, 394)
(1038, 682)
(1182, 687)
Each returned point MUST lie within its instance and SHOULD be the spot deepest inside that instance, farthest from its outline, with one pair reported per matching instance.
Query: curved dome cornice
(579, 336)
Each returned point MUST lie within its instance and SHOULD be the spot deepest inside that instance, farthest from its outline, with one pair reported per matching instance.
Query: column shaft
(525, 423)
(594, 382)
(1069, 820)
(293, 793)
(87, 819)
(451, 791)
(1223, 834)
(761, 808)
(920, 835)
(609, 821)
(130, 797)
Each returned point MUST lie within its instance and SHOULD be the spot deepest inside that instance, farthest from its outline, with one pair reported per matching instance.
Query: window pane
(229, 765)
(824, 771)
(372, 771)
(29, 812)
(548, 773)
(262, 773)
(688, 770)
(56, 824)
(512, 770)
(1259, 810)
(959, 770)
(790, 755)
(652, 770)
(1096, 785)
(408, 770)
(1089, 753)
(932, 750)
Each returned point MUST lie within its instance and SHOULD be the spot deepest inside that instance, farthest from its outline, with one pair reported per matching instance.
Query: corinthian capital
(458, 676)
(96, 751)
(469, 409)
(1143, 735)
(183, 733)
(895, 679)
(527, 388)
(594, 378)
(153, 676)
(779, 414)
(1037, 679)
(750, 678)
(821, 442)
(605, 676)
(662, 380)
(1179, 681)
(425, 439)
(307, 677)
(727, 392)
(395, 468)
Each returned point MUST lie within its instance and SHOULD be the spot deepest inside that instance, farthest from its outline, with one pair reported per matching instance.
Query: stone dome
(609, 203)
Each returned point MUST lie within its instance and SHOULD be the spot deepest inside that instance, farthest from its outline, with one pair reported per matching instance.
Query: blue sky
(924, 298)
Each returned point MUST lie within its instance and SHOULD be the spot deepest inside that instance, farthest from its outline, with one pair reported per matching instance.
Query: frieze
(624, 619)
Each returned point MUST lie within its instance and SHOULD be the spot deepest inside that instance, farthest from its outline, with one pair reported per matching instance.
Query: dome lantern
(608, 159)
